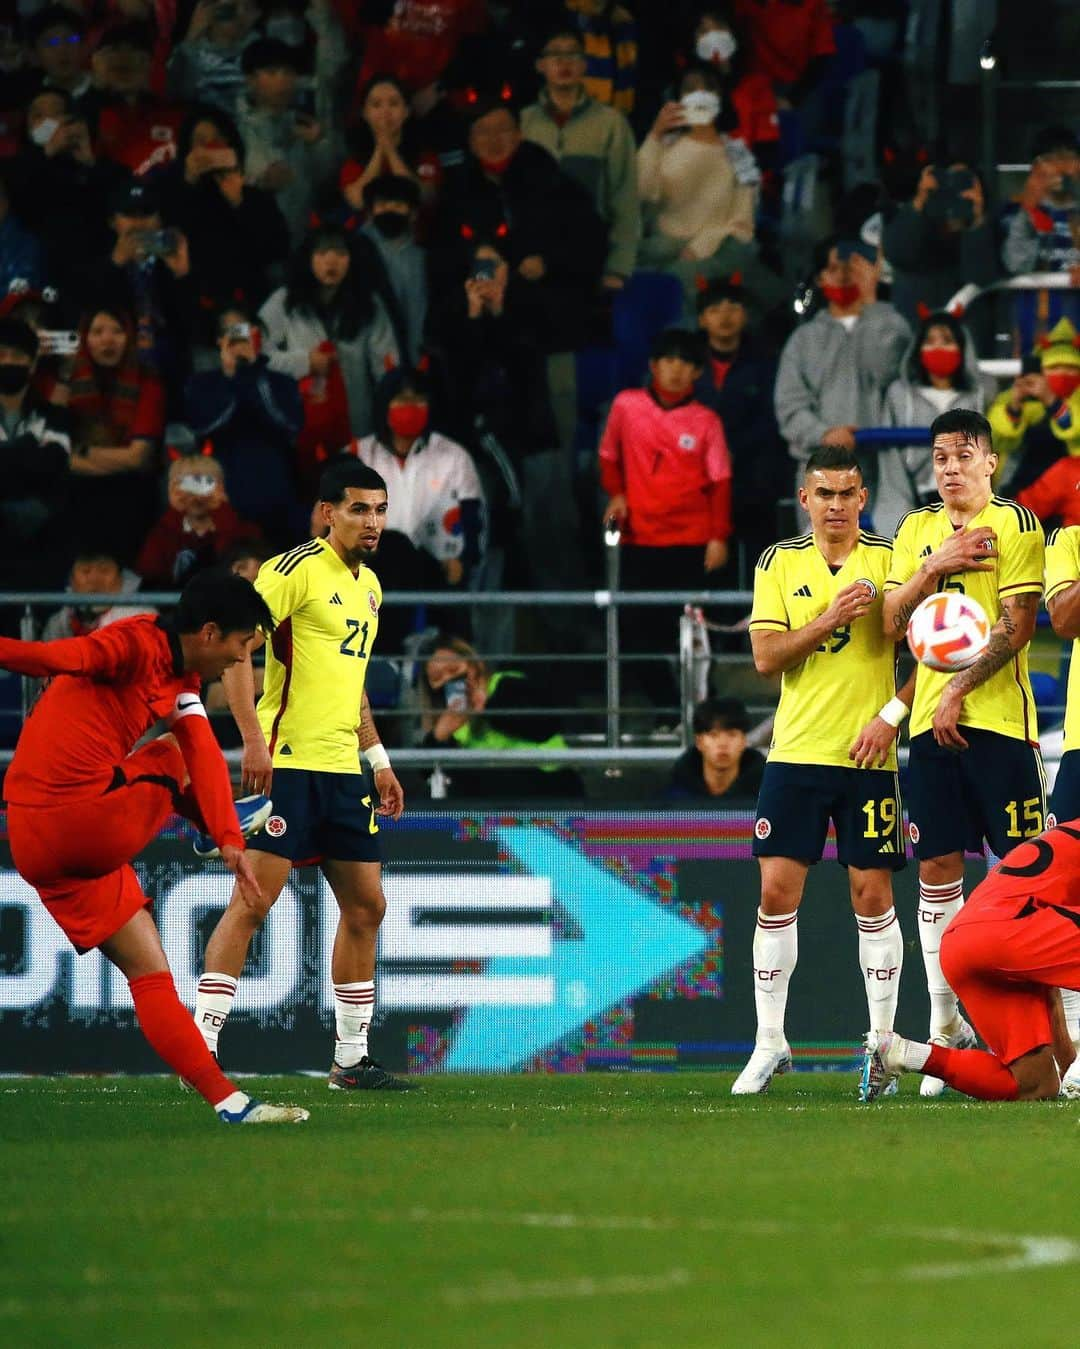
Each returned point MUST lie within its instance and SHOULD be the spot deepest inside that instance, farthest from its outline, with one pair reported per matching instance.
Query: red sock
(168, 1026)
(974, 1072)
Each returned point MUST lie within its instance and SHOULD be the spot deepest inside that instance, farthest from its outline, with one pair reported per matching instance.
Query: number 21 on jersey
(356, 630)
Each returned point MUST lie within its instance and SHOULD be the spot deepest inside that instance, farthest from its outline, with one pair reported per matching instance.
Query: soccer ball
(948, 631)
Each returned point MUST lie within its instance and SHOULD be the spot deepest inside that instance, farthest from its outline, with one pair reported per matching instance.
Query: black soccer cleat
(367, 1075)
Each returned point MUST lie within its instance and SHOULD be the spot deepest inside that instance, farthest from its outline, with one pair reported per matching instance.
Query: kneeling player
(1006, 953)
(816, 618)
(81, 804)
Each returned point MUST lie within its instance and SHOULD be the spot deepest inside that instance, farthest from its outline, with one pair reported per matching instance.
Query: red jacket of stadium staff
(673, 466)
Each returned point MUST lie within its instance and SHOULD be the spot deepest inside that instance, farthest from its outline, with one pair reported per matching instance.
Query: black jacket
(759, 456)
(688, 779)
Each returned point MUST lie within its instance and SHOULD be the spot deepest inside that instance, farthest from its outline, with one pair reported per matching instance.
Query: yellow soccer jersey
(827, 699)
(1004, 703)
(1062, 569)
(317, 658)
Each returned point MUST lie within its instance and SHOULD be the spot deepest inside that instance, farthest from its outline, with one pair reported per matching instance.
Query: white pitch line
(511, 1289)
(1013, 1252)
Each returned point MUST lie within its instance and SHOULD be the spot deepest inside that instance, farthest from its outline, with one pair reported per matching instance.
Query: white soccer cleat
(963, 1039)
(883, 1062)
(1070, 1082)
(763, 1066)
(260, 1112)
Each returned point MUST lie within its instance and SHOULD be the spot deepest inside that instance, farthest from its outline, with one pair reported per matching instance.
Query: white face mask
(701, 107)
(718, 44)
(43, 133)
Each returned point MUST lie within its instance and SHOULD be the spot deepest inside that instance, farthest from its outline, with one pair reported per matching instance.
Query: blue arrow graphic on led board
(627, 941)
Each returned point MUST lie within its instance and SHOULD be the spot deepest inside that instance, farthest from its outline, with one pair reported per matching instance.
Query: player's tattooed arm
(367, 734)
(1010, 634)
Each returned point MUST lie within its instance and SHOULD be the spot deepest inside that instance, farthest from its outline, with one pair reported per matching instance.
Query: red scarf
(109, 398)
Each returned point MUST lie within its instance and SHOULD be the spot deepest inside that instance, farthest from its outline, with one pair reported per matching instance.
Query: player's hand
(617, 511)
(256, 768)
(236, 859)
(946, 720)
(843, 436)
(966, 550)
(716, 554)
(875, 740)
(850, 603)
(391, 796)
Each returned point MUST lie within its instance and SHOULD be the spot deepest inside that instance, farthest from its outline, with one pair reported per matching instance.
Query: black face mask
(391, 224)
(13, 378)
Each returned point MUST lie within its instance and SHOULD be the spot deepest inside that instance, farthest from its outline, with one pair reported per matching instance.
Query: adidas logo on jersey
(803, 593)
(926, 551)
(335, 598)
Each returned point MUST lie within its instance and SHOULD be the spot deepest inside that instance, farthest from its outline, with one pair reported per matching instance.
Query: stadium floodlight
(987, 56)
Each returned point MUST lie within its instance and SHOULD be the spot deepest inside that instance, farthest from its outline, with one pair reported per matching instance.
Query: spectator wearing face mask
(939, 372)
(834, 370)
(118, 409)
(237, 238)
(251, 414)
(1037, 420)
(288, 151)
(97, 569)
(434, 491)
(35, 446)
(748, 94)
(199, 528)
(392, 203)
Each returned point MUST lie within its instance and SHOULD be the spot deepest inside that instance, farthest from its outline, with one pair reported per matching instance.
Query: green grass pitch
(604, 1210)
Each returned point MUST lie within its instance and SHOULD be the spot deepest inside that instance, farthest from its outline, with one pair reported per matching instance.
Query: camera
(484, 269)
(456, 693)
(948, 203)
(198, 484)
(238, 332)
(157, 243)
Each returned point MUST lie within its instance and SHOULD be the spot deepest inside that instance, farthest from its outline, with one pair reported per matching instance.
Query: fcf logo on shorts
(276, 826)
(373, 603)
(913, 832)
(763, 827)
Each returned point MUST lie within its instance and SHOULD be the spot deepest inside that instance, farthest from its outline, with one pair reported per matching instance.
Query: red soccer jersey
(1045, 870)
(109, 688)
(672, 463)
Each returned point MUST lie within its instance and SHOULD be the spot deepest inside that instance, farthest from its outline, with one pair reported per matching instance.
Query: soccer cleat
(1070, 1082)
(367, 1075)
(883, 1062)
(763, 1066)
(258, 1112)
(185, 1085)
(252, 812)
(963, 1039)
(870, 1041)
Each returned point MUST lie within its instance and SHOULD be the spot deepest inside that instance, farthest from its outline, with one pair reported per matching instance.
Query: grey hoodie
(831, 377)
(905, 476)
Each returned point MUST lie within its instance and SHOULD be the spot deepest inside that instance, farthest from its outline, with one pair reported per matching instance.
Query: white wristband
(895, 712)
(377, 757)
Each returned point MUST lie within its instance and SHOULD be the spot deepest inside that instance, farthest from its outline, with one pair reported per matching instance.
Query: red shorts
(1001, 970)
(78, 856)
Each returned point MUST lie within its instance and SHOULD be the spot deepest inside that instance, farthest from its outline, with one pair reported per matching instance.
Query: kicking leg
(941, 897)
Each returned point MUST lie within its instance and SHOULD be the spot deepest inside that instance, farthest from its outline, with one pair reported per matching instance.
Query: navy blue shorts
(1065, 798)
(797, 801)
(321, 815)
(994, 791)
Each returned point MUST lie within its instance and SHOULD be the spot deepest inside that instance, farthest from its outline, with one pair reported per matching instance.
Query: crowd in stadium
(526, 260)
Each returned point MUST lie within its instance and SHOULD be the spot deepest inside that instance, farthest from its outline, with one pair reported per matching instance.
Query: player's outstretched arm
(105, 654)
(391, 794)
(775, 652)
(1010, 634)
(256, 765)
(875, 740)
(1065, 612)
(966, 550)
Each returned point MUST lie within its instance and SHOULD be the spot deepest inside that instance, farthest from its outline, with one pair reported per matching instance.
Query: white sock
(213, 1003)
(354, 1006)
(776, 951)
(915, 1055)
(1070, 1003)
(233, 1103)
(881, 957)
(938, 905)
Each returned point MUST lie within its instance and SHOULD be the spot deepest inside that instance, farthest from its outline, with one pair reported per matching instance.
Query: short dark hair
(220, 596)
(53, 16)
(270, 53)
(973, 426)
(557, 30)
(347, 471)
(681, 343)
(832, 458)
(392, 187)
(721, 289)
(720, 714)
(19, 336)
(822, 249)
(1049, 139)
(245, 548)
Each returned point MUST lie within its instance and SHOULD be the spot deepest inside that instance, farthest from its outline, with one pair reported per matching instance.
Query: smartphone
(846, 247)
(238, 332)
(52, 342)
(456, 693)
(198, 484)
(157, 243)
(484, 269)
